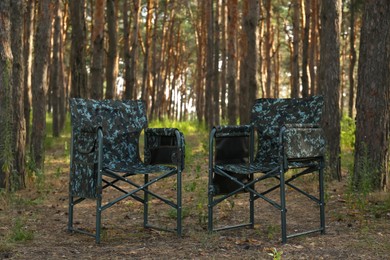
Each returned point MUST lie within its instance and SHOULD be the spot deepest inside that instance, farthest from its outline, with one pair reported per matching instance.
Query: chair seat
(251, 168)
(140, 168)
(247, 168)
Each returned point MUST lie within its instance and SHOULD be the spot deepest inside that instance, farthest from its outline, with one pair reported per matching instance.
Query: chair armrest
(232, 130)
(301, 141)
(164, 146)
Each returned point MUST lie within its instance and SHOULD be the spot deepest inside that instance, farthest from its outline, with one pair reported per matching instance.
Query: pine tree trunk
(373, 98)
(329, 80)
(97, 51)
(112, 54)
(27, 62)
(232, 61)
(19, 129)
(79, 78)
(6, 96)
(39, 83)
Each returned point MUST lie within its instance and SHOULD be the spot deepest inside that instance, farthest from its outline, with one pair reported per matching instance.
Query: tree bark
(112, 54)
(19, 129)
(79, 77)
(97, 51)
(373, 98)
(329, 80)
(248, 63)
(6, 96)
(27, 63)
(39, 83)
(232, 61)
(295, 87)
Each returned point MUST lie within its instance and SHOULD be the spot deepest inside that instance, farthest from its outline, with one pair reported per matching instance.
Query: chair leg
(283, 207)
(210, 210)
(251, 210)
(179, 205)
(322, 199)
(70, 213)
(146, 202)
(98, 219)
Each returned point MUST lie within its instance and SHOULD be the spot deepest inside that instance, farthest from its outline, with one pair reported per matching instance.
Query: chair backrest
(269, 115)
(122, 124)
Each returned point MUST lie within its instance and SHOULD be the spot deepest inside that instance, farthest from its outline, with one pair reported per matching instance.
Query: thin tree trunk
(216, 86)
(352, 59)
(79, 77)
(112, 54)
(329, 80)
(97, 51)
(224, 60)
(147, 59)
(295, 91)
(27, 63)
(39, 83)
(232, 61)
(248, 69)
(305, 50)
(55, 71)
(209, 64)
(19, 129)
(6, 96)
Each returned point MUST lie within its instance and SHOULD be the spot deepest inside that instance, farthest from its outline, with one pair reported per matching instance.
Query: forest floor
(33, 222)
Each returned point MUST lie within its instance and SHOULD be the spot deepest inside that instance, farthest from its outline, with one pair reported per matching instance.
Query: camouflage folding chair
(288, 137)
(105, 154)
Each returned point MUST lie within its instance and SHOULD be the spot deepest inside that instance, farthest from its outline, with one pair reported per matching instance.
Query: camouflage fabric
(164, 146)
(268, 117)
(85, 121)
(122, 123)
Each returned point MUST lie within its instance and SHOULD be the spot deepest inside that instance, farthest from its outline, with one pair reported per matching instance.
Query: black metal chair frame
(255, 172)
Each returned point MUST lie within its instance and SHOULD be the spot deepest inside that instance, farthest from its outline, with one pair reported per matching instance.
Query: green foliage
(19, 231)
(359, 187)
(347, 133)
(276, 255)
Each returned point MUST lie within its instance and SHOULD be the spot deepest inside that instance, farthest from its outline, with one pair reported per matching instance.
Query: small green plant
(359, 187)
(272, 230)
(276, 255)
(19, 232)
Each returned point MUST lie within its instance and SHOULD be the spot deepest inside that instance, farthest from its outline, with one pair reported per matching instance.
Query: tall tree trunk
(147, 56)
(224, 60)
(19, 129)
(55, 71)
(6, 96)
(352, 59)
(131, 53)
(305, 50)
(97, 51)
(27, 63)
(295, 91)
(248, 69)
(209, 113)
(216, 82)
(112, 54)
(39, 83)
(201, 46)
(268, 48)
(232, 61)
(373, 98)
(313, 46)
(329, 80)
(79, 77)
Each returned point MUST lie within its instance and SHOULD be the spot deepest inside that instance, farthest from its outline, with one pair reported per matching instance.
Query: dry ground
(42, 213)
